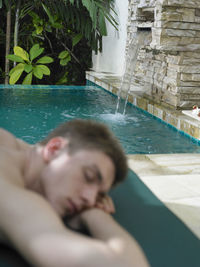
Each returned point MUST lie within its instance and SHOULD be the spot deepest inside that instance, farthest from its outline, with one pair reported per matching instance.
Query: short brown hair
(89, 134)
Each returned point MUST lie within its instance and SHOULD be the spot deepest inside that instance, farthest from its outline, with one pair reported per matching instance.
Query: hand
(106, 204)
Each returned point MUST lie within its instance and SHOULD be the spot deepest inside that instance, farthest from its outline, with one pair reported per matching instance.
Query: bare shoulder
(9, 140)
(27, 220)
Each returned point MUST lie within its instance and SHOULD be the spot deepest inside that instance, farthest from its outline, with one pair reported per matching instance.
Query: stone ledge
(111, 82)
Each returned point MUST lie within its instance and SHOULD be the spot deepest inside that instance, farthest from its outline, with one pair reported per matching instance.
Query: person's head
(87, 151)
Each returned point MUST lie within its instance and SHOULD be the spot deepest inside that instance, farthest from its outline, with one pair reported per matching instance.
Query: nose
(89, 196)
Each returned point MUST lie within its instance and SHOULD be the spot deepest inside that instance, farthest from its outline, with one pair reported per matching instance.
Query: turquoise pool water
(31, 113)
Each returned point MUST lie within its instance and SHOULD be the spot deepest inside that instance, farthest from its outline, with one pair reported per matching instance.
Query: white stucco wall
(113, 55)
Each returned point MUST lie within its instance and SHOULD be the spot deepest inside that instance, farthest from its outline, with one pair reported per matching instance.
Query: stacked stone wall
(169, 68)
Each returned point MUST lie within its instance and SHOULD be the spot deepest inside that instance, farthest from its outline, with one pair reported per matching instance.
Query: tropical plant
(27, 64)
(56, 26)
(87, 17)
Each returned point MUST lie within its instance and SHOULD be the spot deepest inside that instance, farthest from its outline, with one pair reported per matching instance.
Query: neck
(33, 166)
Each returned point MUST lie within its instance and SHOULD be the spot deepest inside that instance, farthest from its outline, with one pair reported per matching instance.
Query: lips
(72, 207)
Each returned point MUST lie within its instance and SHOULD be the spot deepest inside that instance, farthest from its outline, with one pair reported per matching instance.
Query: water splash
(117, 118)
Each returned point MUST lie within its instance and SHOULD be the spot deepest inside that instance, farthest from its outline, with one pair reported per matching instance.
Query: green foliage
(27, 65)
(15, 73)
(63, 79)
(41, 24)
(7, 3)
(87, 17)
(67, 29)
(64, 57)
(35, 51)
(15, 58)
(44, 60)
(76, 39)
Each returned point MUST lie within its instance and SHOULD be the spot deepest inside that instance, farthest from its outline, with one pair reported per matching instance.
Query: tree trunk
(8, 32)
(16, 31)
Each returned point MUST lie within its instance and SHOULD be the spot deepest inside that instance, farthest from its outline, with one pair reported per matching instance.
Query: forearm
(103, 227)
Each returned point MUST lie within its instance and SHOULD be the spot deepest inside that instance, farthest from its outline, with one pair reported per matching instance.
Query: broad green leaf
(28, 79)
(63, 62)
(44, 69)
(63, 54)
(15, 58)
(90, 5)
(102, 24)
(37, 72)
(76, 39)
(71, 1)
(16, 73)
(45, 60)
(21, 53)
(87, 4)
(35, 51)
(95, 15)
(28, 68)
(0, 3)
(11, 71)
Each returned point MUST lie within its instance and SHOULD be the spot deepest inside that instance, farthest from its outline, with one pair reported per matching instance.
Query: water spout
(137, 41)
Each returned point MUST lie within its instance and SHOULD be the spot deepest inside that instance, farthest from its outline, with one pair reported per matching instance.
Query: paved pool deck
(173, 178)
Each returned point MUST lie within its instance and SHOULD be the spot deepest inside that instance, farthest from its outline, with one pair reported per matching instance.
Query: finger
(99, 205)
(111, 204)
(108, 204)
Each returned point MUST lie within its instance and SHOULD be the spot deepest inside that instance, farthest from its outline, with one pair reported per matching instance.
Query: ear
(52, 148)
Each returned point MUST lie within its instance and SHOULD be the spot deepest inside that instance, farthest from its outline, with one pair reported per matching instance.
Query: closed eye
(89, 175)
(92, 174)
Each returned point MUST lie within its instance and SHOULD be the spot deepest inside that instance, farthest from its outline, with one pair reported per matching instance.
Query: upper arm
(37, 232)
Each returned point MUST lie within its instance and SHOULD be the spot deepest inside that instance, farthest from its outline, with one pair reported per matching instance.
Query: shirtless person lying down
(68, 174)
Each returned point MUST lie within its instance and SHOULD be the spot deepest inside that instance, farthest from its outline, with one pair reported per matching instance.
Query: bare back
(11, 164)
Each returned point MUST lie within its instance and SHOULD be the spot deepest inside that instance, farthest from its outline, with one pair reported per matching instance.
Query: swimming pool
(31, 113)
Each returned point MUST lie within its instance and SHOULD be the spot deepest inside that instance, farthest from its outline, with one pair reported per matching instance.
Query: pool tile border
(174, 119)
(28, 87)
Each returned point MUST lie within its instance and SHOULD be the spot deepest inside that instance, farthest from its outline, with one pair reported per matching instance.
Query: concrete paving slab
(175, 180)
